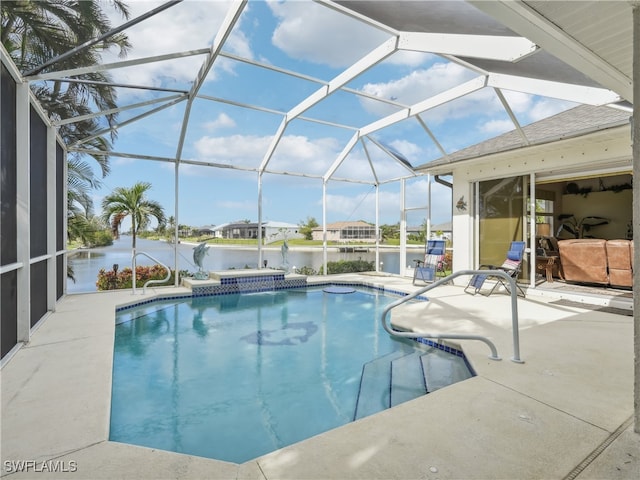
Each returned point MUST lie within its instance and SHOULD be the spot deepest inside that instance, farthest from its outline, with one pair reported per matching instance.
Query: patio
(565, 413)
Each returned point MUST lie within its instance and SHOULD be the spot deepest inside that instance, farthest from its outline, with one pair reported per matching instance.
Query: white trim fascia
(441, 167)
(570, 155)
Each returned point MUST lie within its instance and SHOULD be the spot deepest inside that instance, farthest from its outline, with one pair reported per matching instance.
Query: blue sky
(314, 41)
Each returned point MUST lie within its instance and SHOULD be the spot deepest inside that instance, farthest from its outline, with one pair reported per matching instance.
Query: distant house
(204, 230)
(271, 231)
(239, 230)
(347, 232)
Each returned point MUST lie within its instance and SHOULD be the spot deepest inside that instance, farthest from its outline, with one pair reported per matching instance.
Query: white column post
(403, 228)
(260, 219)
(532, 230)
(51, 219)
(635, 126)
(23, 192)
(324, 226)
(428, 219)
(377, 227)
(176, 206)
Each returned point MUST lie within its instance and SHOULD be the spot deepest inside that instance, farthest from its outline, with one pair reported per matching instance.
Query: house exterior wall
(605, 151)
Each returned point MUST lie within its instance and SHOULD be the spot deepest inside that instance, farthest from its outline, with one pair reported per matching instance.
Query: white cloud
(409, 58)
(497, 127)
(406, 148)
(243, 205)
(531, 108)
(417, 86)
(190, 25)
(546, 107)
(223, 121)
(302, 34)
(246, 148)
(294, 153)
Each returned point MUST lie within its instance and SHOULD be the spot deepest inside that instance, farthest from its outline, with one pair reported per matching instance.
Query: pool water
(233, 377)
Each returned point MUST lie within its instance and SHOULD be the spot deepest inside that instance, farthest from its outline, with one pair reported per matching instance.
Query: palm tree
(35, 32)
(131, 202)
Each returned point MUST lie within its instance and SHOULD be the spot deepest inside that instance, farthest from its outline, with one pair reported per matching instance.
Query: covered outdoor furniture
(512, 266)
(433, 263)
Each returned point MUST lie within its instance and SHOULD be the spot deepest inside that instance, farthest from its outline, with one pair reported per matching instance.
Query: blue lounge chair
(512, 265)
(434, 262)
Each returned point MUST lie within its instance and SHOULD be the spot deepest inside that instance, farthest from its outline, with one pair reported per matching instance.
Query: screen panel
(61, 276)
(38, 184)
(9, 311)
(8, 165)
(38, 291)
(60, 199)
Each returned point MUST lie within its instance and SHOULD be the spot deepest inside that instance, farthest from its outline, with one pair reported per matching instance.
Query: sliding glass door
(501, 212)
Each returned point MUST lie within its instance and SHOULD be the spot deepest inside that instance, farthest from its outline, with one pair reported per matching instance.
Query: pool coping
(540, 419)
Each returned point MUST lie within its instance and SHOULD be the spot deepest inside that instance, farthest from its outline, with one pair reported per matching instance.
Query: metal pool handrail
(133, 265)
(494, 352)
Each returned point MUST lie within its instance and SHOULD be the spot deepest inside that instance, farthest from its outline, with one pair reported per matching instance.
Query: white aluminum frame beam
(104, 36)
(437, 100)
(546, 88)
(374, 57)
(512, 116)
(509, 49)
(394, 157)
(89, 116)
(233, 14)
(112, 66)
(127, 122)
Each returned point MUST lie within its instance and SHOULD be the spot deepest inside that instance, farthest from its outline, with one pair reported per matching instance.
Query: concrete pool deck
(564, 413)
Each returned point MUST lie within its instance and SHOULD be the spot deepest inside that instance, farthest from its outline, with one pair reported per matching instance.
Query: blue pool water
(233, 377)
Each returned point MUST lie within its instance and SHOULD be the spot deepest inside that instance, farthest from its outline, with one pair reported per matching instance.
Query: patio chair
(434, 262)
(512, 265)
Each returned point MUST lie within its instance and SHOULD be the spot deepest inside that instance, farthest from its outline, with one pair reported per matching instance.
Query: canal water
(87, 263)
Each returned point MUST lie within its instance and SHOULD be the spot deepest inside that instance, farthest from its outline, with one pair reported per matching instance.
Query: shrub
(348, 266)
(118, 279)
(102, 238)
(306, 271)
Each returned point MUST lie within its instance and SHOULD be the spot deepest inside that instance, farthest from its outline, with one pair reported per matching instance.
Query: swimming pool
(232, 377)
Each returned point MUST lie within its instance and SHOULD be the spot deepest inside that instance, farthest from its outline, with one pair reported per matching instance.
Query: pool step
(407, 378)
(443, 369)
(375, 385)
(404, 375)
